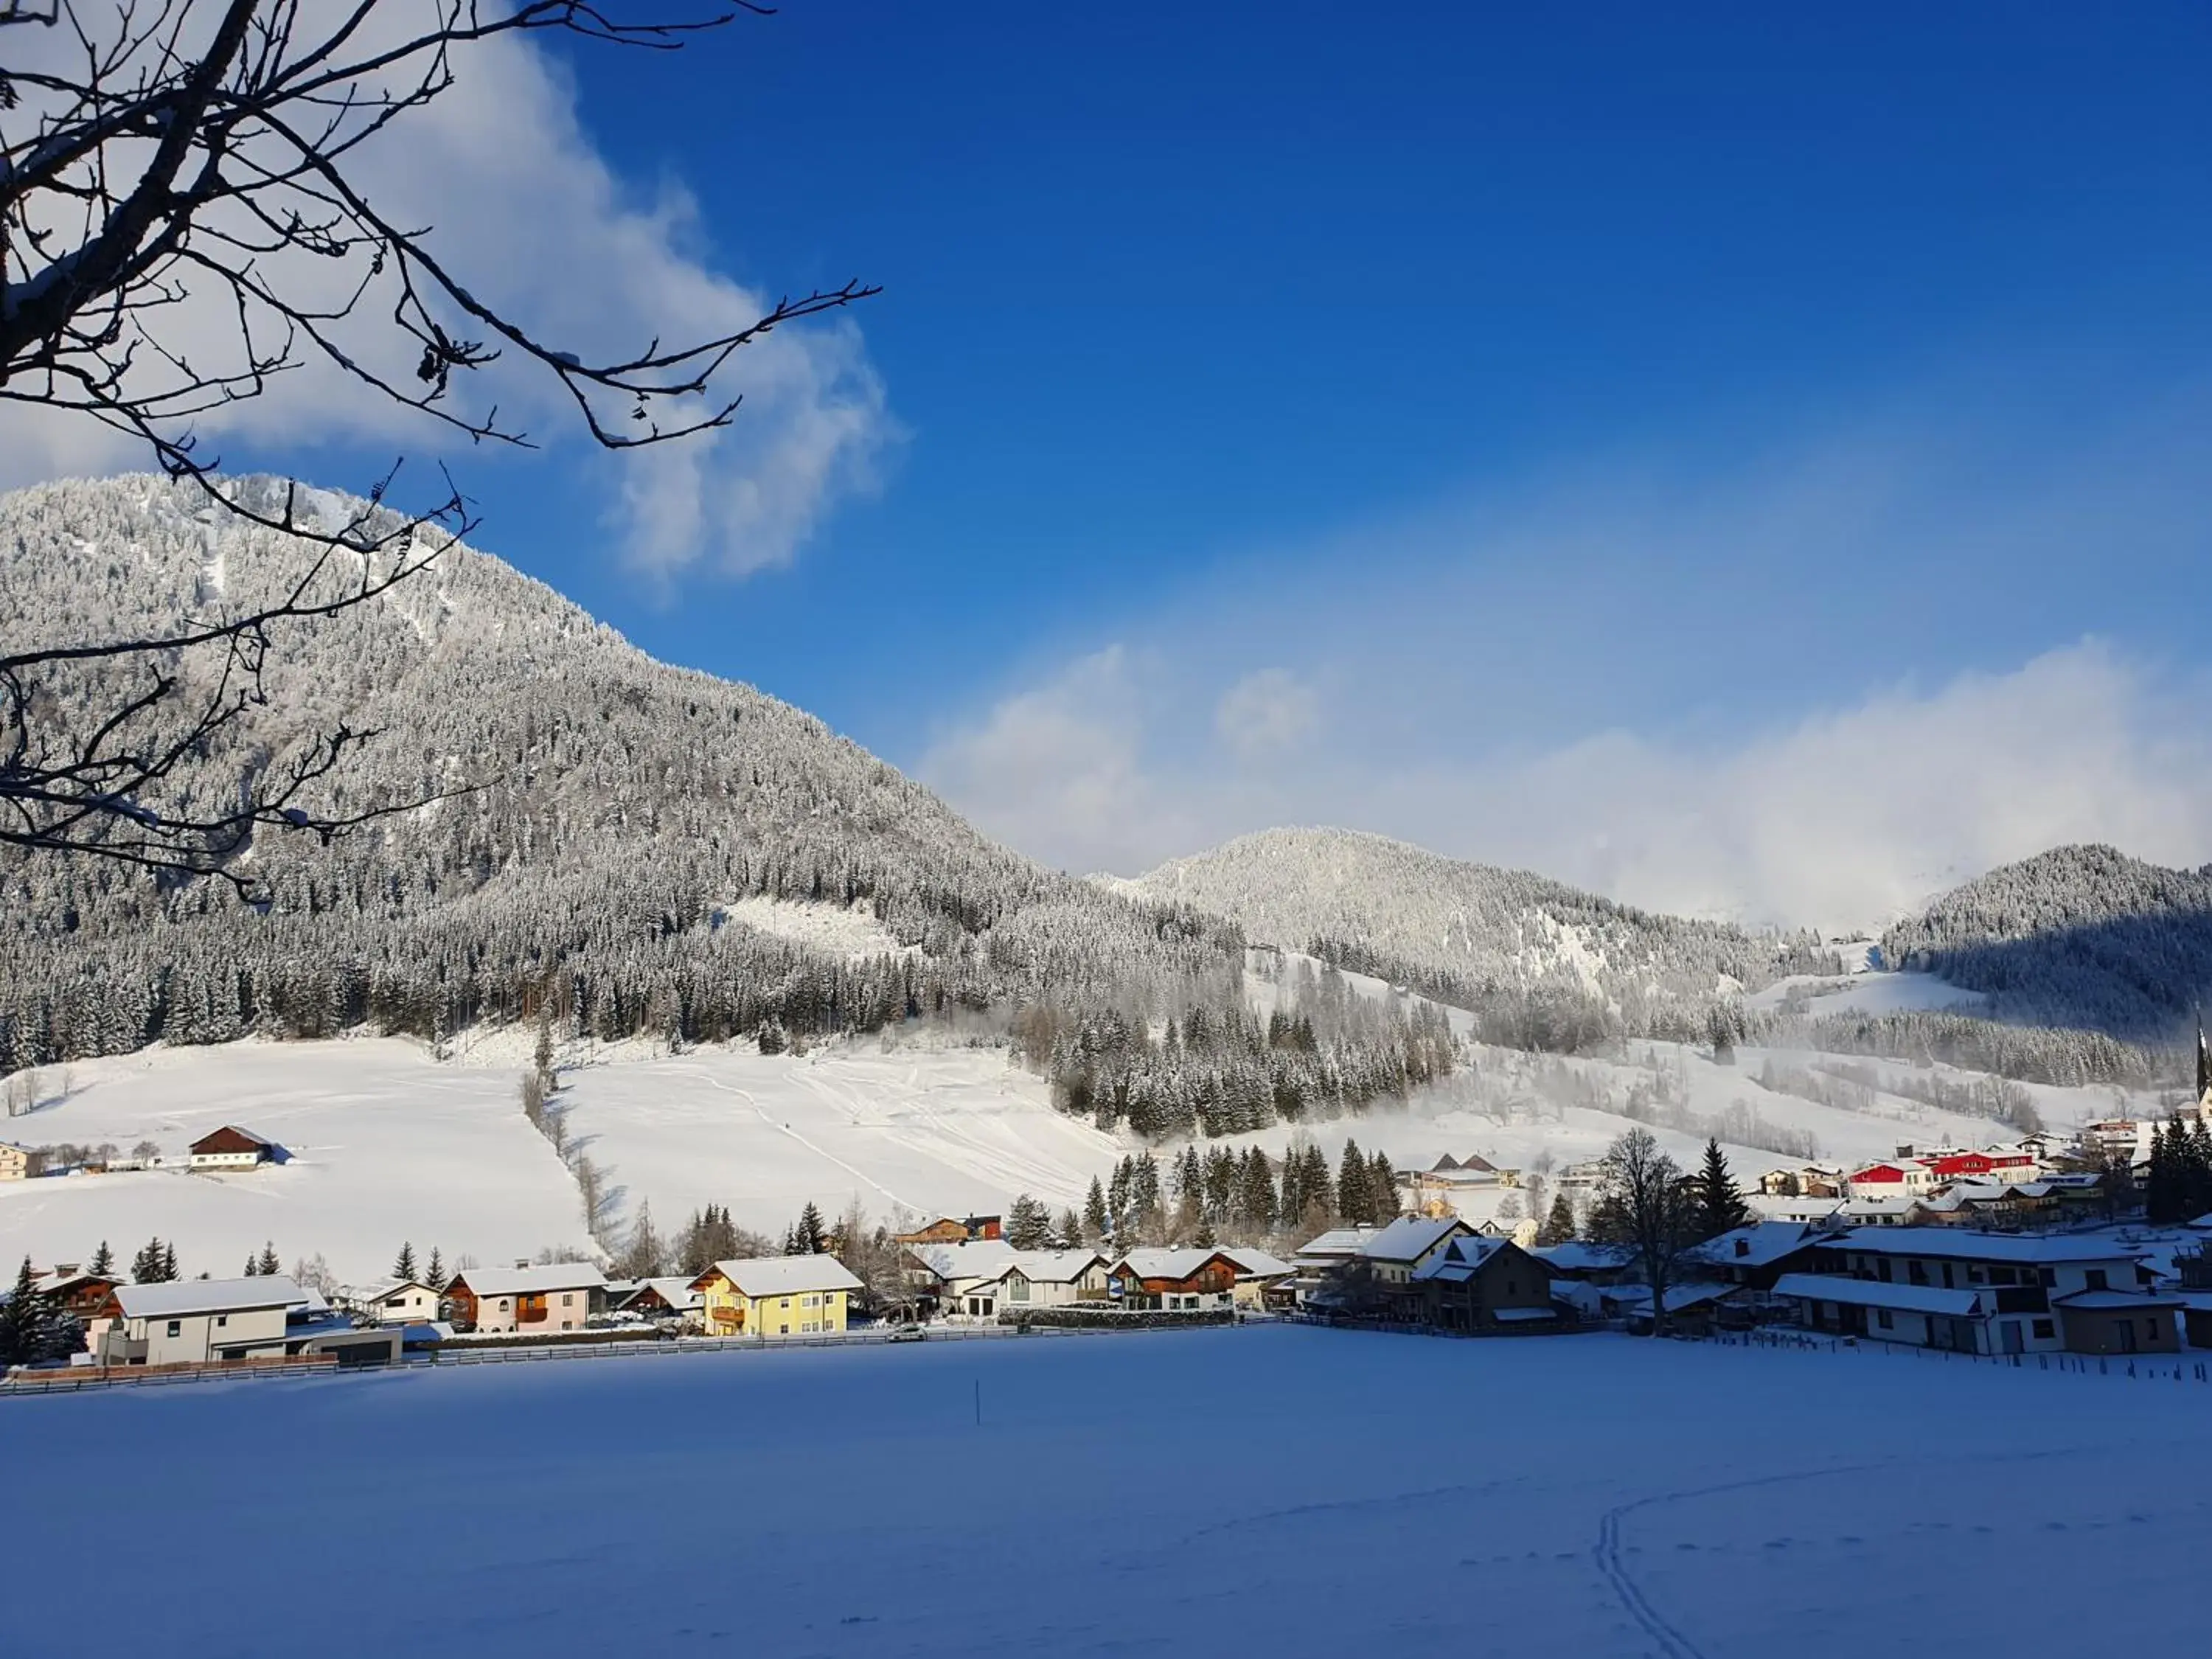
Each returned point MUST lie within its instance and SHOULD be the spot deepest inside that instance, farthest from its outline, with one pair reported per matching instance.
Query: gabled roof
(529, 1281)
(382, 1292)
(977, 1259)
(1410, 1237)
(1964, 1244)
(1255, 1264)
(676, 1292)
(2115, 1301)
(1055, 1266)
(185, 1296)
(784, 1275)
(1581, 1255)
(1447, 1162)
(1763, 1243)
(1337, 1244)
(1873, 1293)
(1460, 1259)
(1478, 1164)
(233, 1129)
(1170, 1264)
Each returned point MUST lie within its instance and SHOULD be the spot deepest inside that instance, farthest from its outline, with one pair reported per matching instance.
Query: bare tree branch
(157, 155)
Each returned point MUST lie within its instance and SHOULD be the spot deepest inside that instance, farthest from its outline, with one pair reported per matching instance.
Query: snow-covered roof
(2202, 1225)
(382, 1292)
(1964, 1244)
(184, 1296)
(1518, 1316)
(1410, 1237)
(1873, 1293)
(530, 1281)
(1255, 1264)
(1679, 1297)
(1580, 1256)
(2114, 1301)
(786, 1275)
(1167, 1263)
(676, 1292)
(977, 1259)
(1460, 1258)
(1755, 1246)
(1337, 1244)
(1055, 1266)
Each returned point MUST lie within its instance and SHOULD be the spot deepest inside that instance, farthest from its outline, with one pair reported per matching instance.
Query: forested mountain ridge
(2081, 935)
(1545, 964)
(618, 803)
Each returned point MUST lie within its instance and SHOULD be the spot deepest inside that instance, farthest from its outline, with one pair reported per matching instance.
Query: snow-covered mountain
(2082, 936)
(1520, 944)
(645, 847)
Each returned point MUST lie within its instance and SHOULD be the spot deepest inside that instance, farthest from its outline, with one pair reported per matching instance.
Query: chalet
(1754, 1257)
(1474, 1284)
(1321, 1259)
(1259, 1276)
(1177, 1280)
(663, 1298)
(776, 1296)
(1899, 1177)
(507, 1301)
(1584, 1262)
(231, 1148)
(1975, 1292)
(959, 1278)
(1053, 1278)
(15, 1161)
(1437, 1191)
(199, 1321)
(1806, 1181)
(1395, 1253)
(953, 1230)
(404, 1302)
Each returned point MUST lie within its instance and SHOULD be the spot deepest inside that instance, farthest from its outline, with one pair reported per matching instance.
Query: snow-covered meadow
(1269, 1490)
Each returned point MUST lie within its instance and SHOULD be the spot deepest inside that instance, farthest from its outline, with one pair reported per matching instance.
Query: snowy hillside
(386, 1145)
(1526, 950)
(2077, 936)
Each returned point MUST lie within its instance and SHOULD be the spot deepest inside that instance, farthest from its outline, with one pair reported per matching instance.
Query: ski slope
(1340, 1492)
(387, 1146)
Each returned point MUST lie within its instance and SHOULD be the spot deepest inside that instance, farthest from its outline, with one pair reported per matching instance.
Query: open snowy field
(1271, 1490)
(388, 1145)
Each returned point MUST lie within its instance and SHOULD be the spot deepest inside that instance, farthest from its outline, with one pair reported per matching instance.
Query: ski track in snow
(819, 1152)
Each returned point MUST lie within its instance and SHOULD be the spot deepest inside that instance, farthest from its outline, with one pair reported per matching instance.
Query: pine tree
(1029, 1223)
(1352, 1199)
(403, 1269)
(1069, 1232)
(1559, 1226)
(20, 1320)
(1383, 1189)
(269, 1265)
(251, 1271)
(2161, 1200)
(1720, 1207)
(1094, 1213)
(807, 1232)
(434, 1274)
(103, 1260)
(146, 1266)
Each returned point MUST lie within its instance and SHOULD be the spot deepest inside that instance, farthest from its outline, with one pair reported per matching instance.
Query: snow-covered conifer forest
(618, 848)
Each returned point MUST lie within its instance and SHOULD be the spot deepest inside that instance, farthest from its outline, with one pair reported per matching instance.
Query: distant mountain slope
(1474, 934)
(622, 805)
(2082, 936)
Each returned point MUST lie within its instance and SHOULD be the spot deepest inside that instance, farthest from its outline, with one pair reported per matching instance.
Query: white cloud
(1841, 819)
(1269, 711)
(525, 208)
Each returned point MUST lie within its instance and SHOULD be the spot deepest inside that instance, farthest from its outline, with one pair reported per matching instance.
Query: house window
(221, 1320)
(567, 1299)
(2045, 1330)
(2095, 1276)
(176, 1328)
(2151, 1329)
(1881, 1318)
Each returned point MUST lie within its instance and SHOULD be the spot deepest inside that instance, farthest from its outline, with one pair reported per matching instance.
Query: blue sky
(1281, 406)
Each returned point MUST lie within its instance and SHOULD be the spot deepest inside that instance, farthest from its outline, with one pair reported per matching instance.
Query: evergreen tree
(1094, 1213)
(806, 1233)
(103, 1260)
(1069, 1232)
(269, 1266)
(146, 1266)
(1352, 1199)
(251, 1271)
(21, 1320)
(403, 1268)
(1720, 1205)
(1383, 1189)
(2162, 1194)
(434, 1274)
(1560, 1225)
(1029, 1223)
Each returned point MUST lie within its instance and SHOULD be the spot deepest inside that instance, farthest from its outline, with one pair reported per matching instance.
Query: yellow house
(776, 1296)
